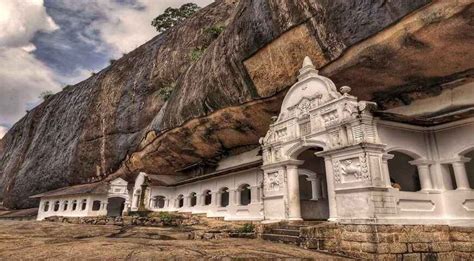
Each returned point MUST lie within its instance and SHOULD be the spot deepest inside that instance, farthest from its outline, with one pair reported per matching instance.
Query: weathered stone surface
(116, 123)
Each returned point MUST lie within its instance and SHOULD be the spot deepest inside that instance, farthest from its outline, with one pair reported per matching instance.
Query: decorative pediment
(118, 181)
(312, 90)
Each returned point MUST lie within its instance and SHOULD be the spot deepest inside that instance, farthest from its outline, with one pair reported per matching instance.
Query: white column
(324, 192)
(294, 208)
(254, 194)
(386, 172)
(315, 187)
(233, 197)
(216, 197)
(424, 174)
(460, 174)
(331, 193)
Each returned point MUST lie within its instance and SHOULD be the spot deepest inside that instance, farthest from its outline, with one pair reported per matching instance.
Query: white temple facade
(325, 157)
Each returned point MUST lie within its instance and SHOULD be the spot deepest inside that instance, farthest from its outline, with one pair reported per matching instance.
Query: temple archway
(312, 185)
(115, 206)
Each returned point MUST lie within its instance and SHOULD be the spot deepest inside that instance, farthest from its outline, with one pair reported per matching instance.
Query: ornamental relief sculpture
(351, 170)
(273, 181)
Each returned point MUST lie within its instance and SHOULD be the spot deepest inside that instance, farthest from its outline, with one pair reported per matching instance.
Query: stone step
(285, 231)
(282, 238)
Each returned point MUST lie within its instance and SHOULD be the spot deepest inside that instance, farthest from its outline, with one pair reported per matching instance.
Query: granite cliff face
(224, 89)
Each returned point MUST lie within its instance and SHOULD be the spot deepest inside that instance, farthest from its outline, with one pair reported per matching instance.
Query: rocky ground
(28, 240)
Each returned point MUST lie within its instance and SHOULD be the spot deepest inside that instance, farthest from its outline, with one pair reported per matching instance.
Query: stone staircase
(288, 233)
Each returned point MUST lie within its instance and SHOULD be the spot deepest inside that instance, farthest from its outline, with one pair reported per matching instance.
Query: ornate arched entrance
(343, 135)
(115, 206)
(313, 186)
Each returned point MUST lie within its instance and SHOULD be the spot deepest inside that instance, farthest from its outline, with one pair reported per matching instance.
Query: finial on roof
(308, 69)
(307, 62)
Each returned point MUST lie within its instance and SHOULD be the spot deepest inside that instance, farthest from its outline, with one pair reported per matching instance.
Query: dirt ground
(31, 240)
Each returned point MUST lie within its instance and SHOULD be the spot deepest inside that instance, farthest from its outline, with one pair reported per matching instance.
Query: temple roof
(92, 188)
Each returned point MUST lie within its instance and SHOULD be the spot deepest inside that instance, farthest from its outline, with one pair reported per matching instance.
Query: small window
(46, 206)
(65, 205)
(96, 205)
(180, 201)
(207, 198)
(56, 206)
(224, 197)
(245, 195)
(159, 202)
(74, 205)
(84, 204)
(193, 199)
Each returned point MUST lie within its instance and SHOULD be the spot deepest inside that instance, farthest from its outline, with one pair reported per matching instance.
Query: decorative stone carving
(273, 181)
(351, 170)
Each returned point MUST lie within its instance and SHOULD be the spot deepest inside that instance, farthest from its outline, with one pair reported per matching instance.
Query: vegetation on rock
(45, 95)
(174, 16)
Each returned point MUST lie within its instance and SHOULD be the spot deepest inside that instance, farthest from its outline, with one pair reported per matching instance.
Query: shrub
(166, 91)
(165, 217)
(197, 53)
(215, 30)
(45, 95)
(247, 228)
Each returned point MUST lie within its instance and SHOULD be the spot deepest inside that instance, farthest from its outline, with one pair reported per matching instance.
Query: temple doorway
(313, 186)
(115, 206)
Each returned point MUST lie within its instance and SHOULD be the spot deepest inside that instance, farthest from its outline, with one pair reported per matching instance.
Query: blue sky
(47, 44)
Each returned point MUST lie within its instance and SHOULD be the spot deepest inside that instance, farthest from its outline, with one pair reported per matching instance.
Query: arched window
(65, 205)
(84, 204)
(207, 198)
(224, 192)
(180, 201)
(74, 205)
(96, 205)
(192, 199)
(160, 201)
(470, 168)
(403, 175)
(56, 206)
(245, 194)
(46, 206)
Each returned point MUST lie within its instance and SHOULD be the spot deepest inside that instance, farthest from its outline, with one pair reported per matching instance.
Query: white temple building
(327, 156)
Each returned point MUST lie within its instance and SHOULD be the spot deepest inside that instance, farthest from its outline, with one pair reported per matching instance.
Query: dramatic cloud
(128, 26)
(20, 20)
(48, 44)
(22, 76)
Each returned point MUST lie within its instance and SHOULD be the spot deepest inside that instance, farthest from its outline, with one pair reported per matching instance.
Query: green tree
(173, 16)
(45, 95)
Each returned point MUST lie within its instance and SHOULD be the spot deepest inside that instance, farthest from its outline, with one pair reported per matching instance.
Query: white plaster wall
(412, 142)
(234, 211)
(452, 140)
(69, 212)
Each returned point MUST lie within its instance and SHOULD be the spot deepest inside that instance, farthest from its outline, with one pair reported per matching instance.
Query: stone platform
(378, 242)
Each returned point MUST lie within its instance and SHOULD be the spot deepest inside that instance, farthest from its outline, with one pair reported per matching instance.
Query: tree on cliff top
(174, 16)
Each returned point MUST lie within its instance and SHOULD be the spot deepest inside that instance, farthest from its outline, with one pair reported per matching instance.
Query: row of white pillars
(459, 168)
(234, 199)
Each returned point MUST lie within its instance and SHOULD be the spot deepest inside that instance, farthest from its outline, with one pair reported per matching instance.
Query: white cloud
(22, 76)
(121, 26)
(3, 131)
(127, 26)
(20, 20)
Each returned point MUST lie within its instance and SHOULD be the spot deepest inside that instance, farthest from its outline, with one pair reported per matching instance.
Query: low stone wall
(128, 220)
(391, 242)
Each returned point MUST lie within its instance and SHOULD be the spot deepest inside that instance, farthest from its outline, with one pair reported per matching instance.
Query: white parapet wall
(73, 206)
(235, 196)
